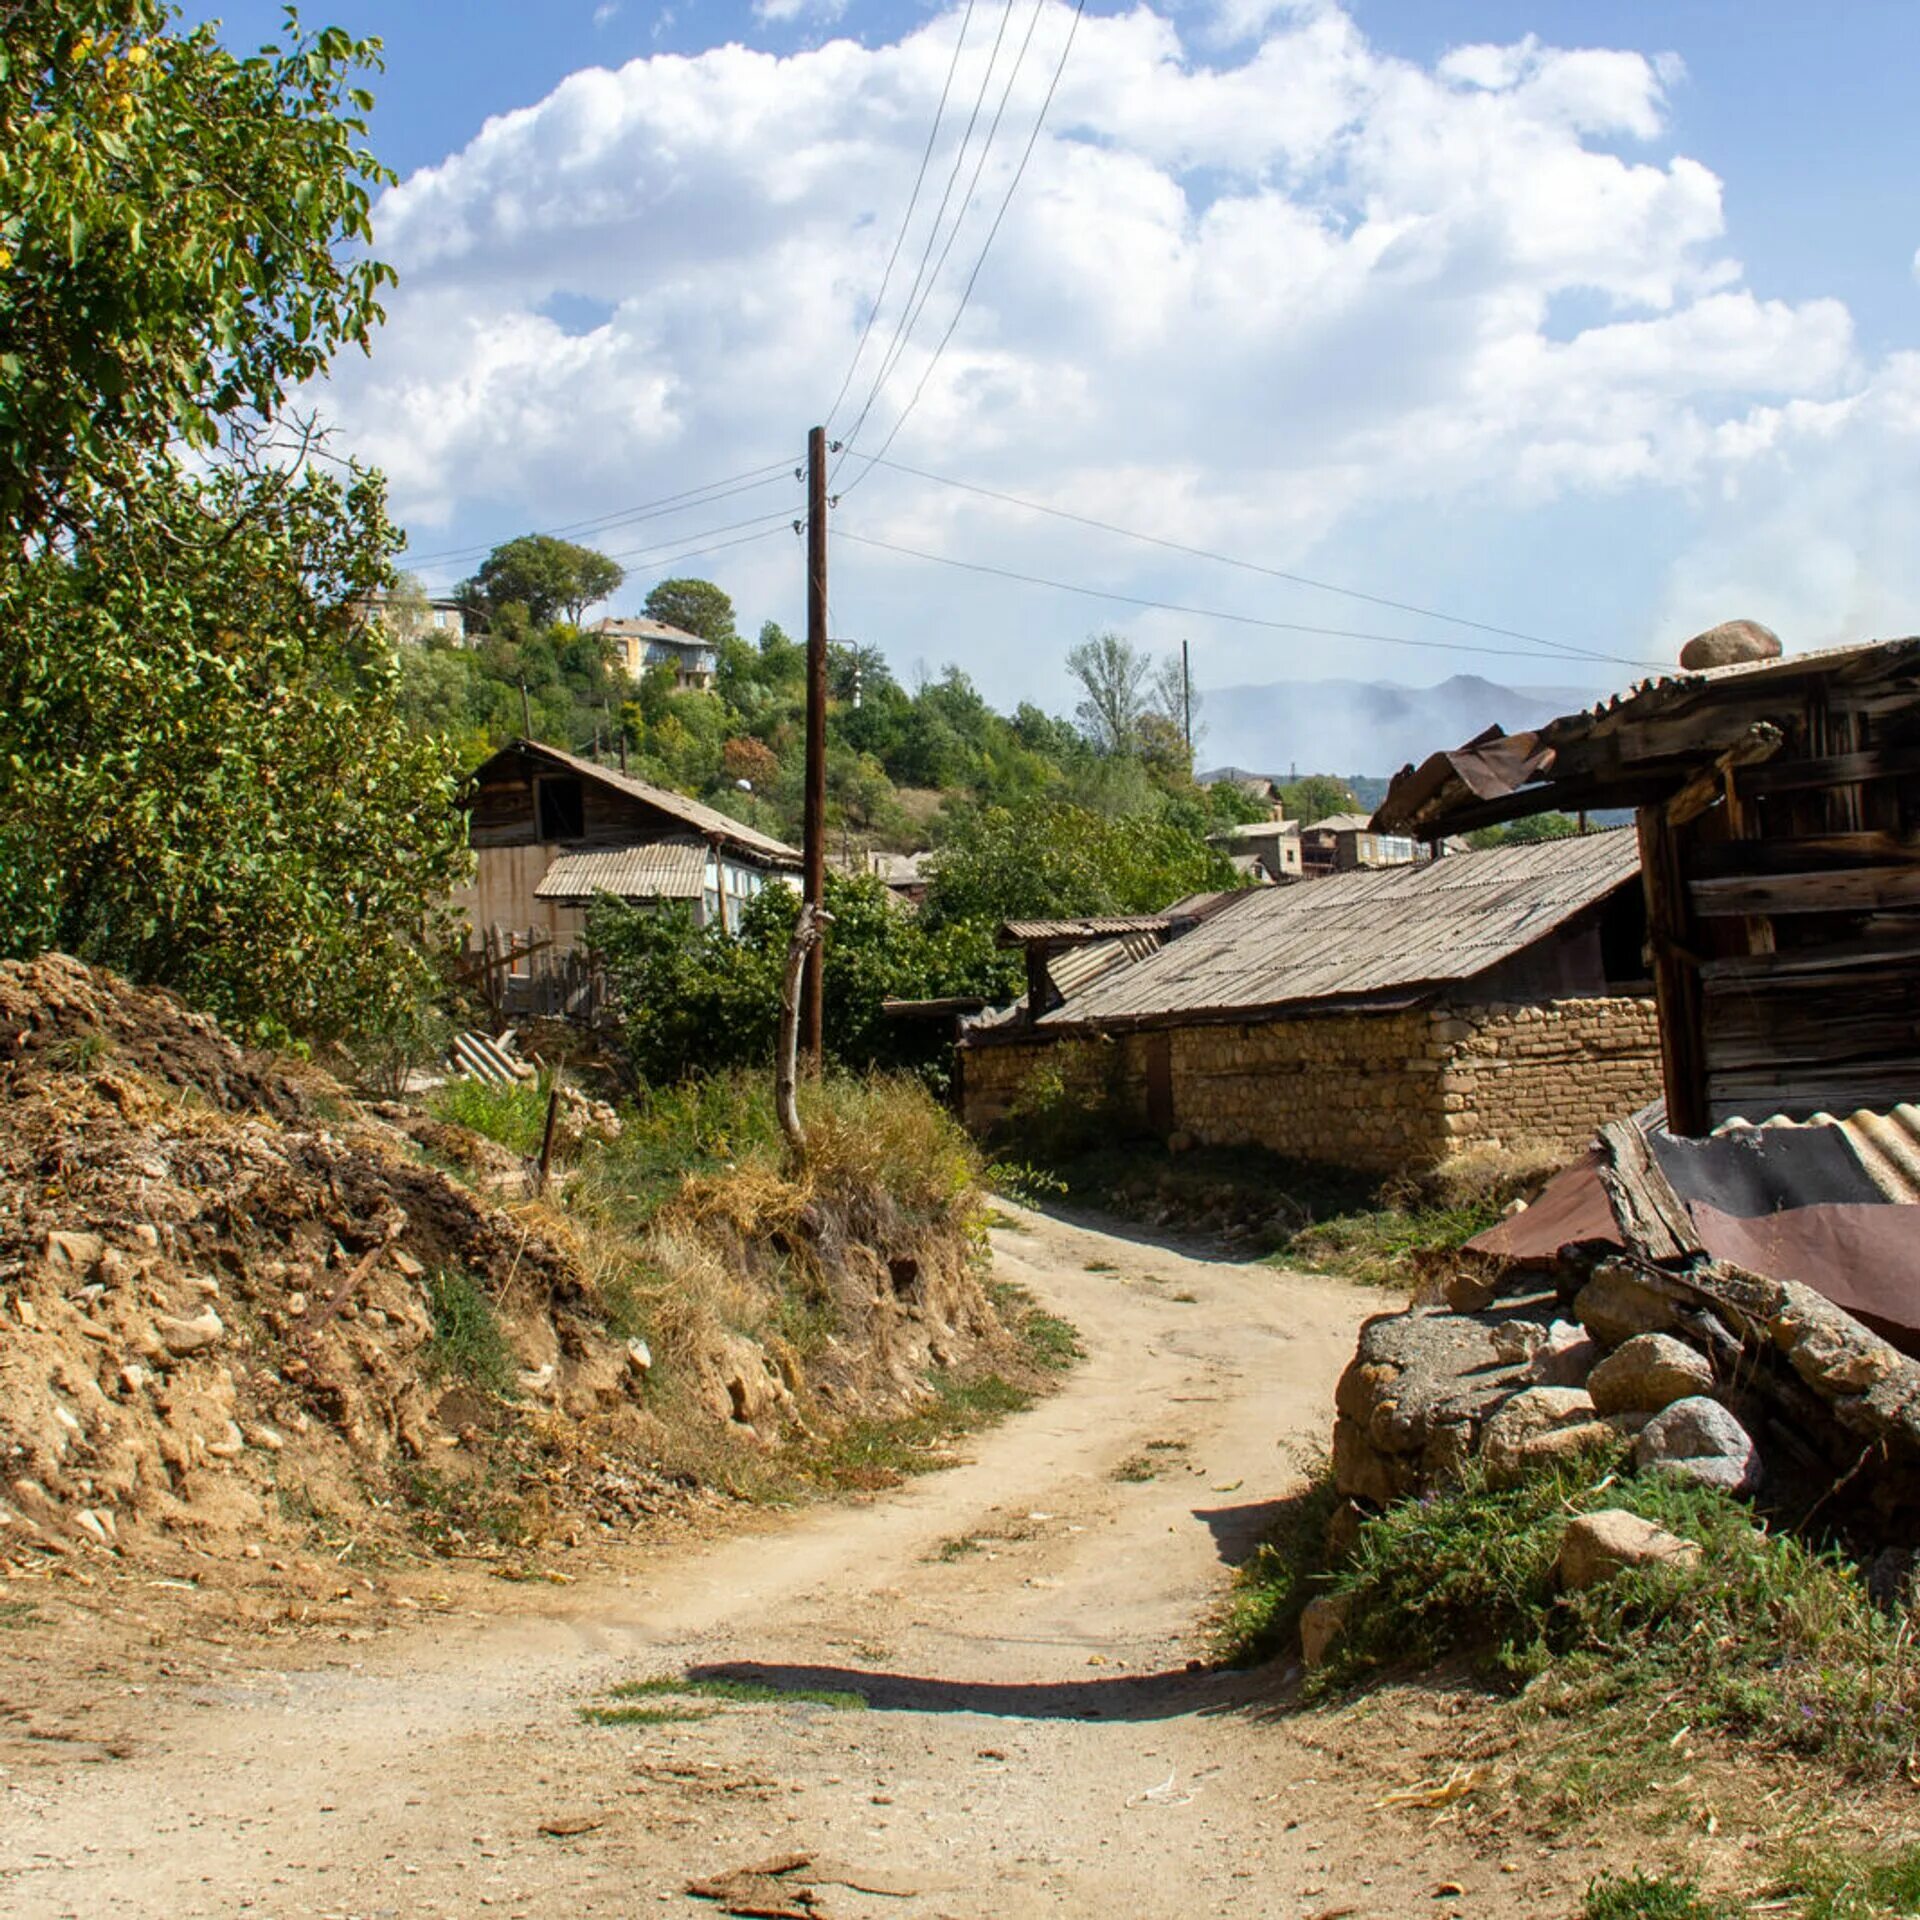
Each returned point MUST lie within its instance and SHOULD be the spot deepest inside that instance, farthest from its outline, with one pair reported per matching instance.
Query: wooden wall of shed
(503, 812)
(501, 895)
(1793, 919)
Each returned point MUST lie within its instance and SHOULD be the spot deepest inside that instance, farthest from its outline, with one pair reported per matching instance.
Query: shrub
(467, 1340)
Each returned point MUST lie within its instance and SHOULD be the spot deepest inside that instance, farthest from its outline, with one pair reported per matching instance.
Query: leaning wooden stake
(786, 1067)
(546, 1137)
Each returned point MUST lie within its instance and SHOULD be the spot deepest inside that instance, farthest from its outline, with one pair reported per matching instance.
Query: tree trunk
(786, 1069)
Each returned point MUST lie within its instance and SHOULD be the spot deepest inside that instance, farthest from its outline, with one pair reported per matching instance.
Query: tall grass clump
(468, 1341)
(515, 1116)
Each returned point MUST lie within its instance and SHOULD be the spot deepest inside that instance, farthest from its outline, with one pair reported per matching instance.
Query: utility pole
(526, 713)
(1186, 703)
(814, 827)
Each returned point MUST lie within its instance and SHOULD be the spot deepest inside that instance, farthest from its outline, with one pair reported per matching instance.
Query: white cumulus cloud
(1263, 286)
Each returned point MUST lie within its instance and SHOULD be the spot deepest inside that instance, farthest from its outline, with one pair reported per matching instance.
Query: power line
(906, 220)
(767, 520)
(1232, 560)
(642, 510)
(891, 366)
(1175, 606)
(933, 231)
(1013, 187)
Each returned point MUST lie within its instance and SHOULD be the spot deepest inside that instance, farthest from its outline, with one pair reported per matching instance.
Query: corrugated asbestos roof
(1079, 967)
(708, 820)
(1355, 934)
(1099, 927)
(657, 870)
(1887, 1145)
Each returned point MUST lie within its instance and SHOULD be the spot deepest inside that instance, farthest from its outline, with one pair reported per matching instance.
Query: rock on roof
(1361, 935)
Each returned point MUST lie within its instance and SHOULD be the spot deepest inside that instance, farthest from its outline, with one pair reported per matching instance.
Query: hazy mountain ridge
(1337, 726)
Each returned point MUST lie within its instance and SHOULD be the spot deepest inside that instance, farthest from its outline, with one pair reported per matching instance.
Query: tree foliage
(182, 241)
(205, 776)
(1116, 678)
(695, 1000)
(1315, 796)
(697, 607)
(545, 576)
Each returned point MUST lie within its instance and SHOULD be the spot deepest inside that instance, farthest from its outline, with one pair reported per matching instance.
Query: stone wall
(1375, 1091)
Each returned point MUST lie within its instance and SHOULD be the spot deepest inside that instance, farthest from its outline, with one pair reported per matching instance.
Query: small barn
(1375, 1019)
(550, 831)
(1778, 817)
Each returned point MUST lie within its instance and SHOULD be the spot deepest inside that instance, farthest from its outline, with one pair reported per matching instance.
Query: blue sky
(1597, 338)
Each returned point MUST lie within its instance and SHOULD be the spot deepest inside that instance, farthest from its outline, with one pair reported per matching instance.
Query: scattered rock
(1648, 1372)
(1599, 1545)
(1616, 1304)
(639, 1359)
(77, 1254)
(1700, 1440)
(1730, 644)
(1564, 1358)
(1322, 1622)
(184, 1337)
(1517, 1341)
(1537, 1426)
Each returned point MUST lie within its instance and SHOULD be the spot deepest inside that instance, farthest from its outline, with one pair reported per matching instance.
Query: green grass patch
(870, 1454)
(1377, 1245)
(1641, 1896)
(644, 1716)
(467, 1340)
(739, 1692)
(1045, 1340)
(960, 1547)
(1272, 1586)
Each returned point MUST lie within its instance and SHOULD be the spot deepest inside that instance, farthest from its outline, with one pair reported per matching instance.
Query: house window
(560, 807)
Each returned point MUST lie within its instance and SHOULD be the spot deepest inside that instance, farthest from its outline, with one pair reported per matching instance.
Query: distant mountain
(1366, 726)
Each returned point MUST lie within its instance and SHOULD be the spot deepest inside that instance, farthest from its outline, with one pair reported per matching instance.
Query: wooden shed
(1778, 809)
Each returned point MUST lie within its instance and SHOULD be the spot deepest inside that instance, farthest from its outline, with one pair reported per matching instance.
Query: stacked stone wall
(1374, 1091)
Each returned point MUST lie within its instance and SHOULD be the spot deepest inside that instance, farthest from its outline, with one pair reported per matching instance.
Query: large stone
(1538, 1426)
(1597, 1546)
(183, 1337)
(1362, 1472)
(1829, 1349)
(1322, 1622)
(1700, 1440)
(1616, 1304)
(1730, 644)
(1648, 1372)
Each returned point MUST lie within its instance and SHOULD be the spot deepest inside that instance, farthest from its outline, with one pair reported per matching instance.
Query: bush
(515, 1116)
(467, 1340)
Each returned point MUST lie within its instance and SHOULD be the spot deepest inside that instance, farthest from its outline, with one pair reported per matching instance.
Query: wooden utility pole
(814, 827)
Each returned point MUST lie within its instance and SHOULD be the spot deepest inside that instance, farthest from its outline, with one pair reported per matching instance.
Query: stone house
(1343, 842)
(639, 643)
(1374, 1019)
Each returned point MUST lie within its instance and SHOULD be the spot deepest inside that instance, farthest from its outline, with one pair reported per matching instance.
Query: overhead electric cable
(906, 220)
(1202, 613)
(905, 339)
(641, 510)
(783, 518)
(933, 230)
(1248, 566)
(1013, 187)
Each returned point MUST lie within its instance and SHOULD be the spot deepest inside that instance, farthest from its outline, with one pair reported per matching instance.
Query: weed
(1166, 1446)
(467, 1340)
(1101, 1266)
(515, 1116)
(1031, 1186)
(1046, 1341)
(868, 1454)
(17, 1613)
(1184, 1299)
(1273, 1584)
(1849, 1884)
(1137, 1468)
(81, 1052)
(450, 1514)
(958, 1548)
(1640, 1896)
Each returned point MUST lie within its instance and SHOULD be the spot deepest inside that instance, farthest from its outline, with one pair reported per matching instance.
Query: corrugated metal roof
(639, 627)
(1887, 1145)
(1362, 933)
(656, 870)
(1079, 967)
(708, 820)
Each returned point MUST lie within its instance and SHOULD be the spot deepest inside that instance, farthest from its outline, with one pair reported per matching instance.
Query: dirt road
(1021, 1627)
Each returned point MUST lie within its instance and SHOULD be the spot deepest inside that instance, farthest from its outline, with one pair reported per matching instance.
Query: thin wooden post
(1676, 975)
(546, 1137)
(813, 839)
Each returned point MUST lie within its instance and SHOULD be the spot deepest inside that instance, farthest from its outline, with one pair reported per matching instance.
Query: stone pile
(1751, 1385)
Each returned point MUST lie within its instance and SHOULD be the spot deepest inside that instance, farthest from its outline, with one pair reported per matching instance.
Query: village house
(1348, 842)
(1377, 1019)
(1268, 848)
(639, 643)
(550, 831)
(1778, 808)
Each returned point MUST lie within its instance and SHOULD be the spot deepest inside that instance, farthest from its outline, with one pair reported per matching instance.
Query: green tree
(1525, 833)
(548, 577)
(205, 777)
(1316, 795)
(1116, 679)
(182, 241)
(696, 607)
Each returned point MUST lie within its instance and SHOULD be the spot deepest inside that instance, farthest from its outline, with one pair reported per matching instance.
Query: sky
(1582, 327)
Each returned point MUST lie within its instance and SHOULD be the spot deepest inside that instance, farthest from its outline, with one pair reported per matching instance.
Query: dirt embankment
(241, 1314)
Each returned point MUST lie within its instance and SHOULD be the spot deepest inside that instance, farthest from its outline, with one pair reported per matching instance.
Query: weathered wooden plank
(1803, 853)
(1829, 770)
(1836, 890)
(1653, 1216)
(1676, 979)
(1891, 942)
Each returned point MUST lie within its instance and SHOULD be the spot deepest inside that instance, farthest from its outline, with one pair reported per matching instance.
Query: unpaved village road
(1022, 1626)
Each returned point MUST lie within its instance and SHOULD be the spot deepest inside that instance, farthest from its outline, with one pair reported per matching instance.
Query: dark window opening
(560, 806)
(1623, 939)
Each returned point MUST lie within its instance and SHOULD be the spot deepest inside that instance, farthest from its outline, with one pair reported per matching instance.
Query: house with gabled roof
(551, 831)
(1376, 1019)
